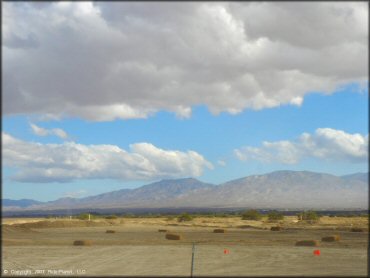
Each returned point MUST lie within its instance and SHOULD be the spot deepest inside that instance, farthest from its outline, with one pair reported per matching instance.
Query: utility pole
(89, 217)
(192, 260)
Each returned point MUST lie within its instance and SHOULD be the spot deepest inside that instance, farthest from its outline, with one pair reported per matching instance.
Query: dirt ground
(137, 248)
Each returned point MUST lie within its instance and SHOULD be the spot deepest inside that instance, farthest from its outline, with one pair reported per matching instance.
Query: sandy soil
(137, 248)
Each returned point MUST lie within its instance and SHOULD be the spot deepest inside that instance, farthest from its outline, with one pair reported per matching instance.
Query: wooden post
(192, 260)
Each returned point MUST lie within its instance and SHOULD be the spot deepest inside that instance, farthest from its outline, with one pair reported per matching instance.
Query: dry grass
(307, 243)
(219, 231)
(82, 243)
(332, 223)
(173, 236)
(11, 229)
(331, 238)
(110, 231)
(60, 224)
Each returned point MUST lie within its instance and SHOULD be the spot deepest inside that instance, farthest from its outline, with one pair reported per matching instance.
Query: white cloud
(221, 163)
(45, 132)
(35, 162)
(110, 60)
(325, 143)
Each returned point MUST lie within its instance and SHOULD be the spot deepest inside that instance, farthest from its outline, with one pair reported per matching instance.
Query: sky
(109, 95)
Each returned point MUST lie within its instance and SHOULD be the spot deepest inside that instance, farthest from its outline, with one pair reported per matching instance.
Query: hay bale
(162, 231)
(331, 238)
(221, 231)
(173, 237)
(307, 243)
(82, 243)
(110, 231)
(357, 230)
(276, 228)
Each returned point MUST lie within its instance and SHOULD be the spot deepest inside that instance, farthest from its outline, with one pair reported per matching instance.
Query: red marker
(226, 251)
(316, 252)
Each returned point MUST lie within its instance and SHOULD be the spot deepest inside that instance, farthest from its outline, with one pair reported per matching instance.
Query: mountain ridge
(278, 189)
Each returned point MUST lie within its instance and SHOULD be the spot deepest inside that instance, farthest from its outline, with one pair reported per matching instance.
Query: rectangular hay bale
(173, 237)
(357, 230)
(110, 231)
(162, 231)
(82, 243)
(307, 243)
(219, 231)
(331, 238)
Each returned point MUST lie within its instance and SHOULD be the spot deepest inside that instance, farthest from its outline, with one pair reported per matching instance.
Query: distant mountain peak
(282, 189)
(180, 180)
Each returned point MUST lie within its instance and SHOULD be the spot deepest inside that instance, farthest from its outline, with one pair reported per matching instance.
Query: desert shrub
(184, 217)
(309, 215)
(274, 215)
(251, 215)
(111, 217)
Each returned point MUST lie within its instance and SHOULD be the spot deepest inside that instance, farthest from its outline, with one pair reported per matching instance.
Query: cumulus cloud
(107, 60)
(35, 162)
(325, 143)
(45, 132)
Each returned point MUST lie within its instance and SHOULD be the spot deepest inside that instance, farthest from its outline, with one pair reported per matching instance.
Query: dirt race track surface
(139, 249)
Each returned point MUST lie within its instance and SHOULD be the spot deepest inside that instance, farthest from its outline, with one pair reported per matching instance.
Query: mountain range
(276, 190)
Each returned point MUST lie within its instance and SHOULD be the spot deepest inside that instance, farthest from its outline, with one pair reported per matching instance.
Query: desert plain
(44, 247)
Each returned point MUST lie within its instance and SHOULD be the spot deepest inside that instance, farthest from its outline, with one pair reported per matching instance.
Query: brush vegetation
(185, 217)
(274, 216)
(251, 214)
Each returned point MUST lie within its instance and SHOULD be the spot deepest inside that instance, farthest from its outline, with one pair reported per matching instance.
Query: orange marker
(316, 252)
(226, 251)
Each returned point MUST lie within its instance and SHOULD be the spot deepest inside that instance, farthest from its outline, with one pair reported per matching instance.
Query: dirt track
(139, 249)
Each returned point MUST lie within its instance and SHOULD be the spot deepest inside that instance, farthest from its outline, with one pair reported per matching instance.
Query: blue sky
(188, 90)
(214, 136)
